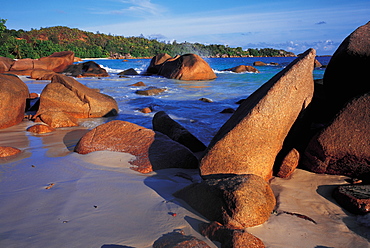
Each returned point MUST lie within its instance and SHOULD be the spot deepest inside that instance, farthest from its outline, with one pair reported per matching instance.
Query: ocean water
(181, 98)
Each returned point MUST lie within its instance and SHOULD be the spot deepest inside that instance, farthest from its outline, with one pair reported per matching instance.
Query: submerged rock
(250, 140)
(243, 68)
(150, 91)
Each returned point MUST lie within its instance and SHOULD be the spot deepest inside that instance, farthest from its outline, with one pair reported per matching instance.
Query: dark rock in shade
(166, 125)
(156, 63)
(243, 68)
(7, 151)
(289, 164)
(65, 94)
(204, 99)
(342, 148)
(138, 84)
(86, 69)
(179, 240)
(347, 72)
(150, 91)
(229, 237)
(250, 140)
(238, 201)
(13, 95)
(129, 72)
(153, 150)
(354, 198)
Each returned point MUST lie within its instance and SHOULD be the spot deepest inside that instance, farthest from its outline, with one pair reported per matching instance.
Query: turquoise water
(181, 99)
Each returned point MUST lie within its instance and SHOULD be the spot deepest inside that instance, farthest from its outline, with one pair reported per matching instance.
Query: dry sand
(52, 197)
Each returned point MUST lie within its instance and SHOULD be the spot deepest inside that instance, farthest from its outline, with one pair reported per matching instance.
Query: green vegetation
(43, 42)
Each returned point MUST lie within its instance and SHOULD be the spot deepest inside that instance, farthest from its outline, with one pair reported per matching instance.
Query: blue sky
(293, 25)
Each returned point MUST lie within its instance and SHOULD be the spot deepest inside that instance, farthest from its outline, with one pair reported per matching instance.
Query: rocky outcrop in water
(86, 69)
(189, 67)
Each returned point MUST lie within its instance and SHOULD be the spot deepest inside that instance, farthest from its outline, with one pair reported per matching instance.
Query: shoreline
(96, 200)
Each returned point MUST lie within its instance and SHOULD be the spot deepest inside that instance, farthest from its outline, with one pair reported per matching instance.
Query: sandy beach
(53, 197)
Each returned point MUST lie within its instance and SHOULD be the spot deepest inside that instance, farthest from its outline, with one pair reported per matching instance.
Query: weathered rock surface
(56, 62)
(40, 129)
(166, 125)
(250, 140)
(39, 74)
(346, 73)
(7, 151)
(65, 94)
(57, 119)
(243, 68)
(354, 198)
(5, 64)
(190, 67)
(153, 150)
(238, 201)
(289, 164)
(343, 146)
(229, 237)
(179, 240)
(86, 69)
(13, 95)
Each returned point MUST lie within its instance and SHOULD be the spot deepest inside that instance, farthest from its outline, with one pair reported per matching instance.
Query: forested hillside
(44, 41)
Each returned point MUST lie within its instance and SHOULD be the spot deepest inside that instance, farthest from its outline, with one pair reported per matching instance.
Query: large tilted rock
(354, 198)
(190, 67)
(344, 146)
(238, 201)
(250, 140)
(166, 125)
(65, 94)
(13, 95)
(346, 75)
(153, 150)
